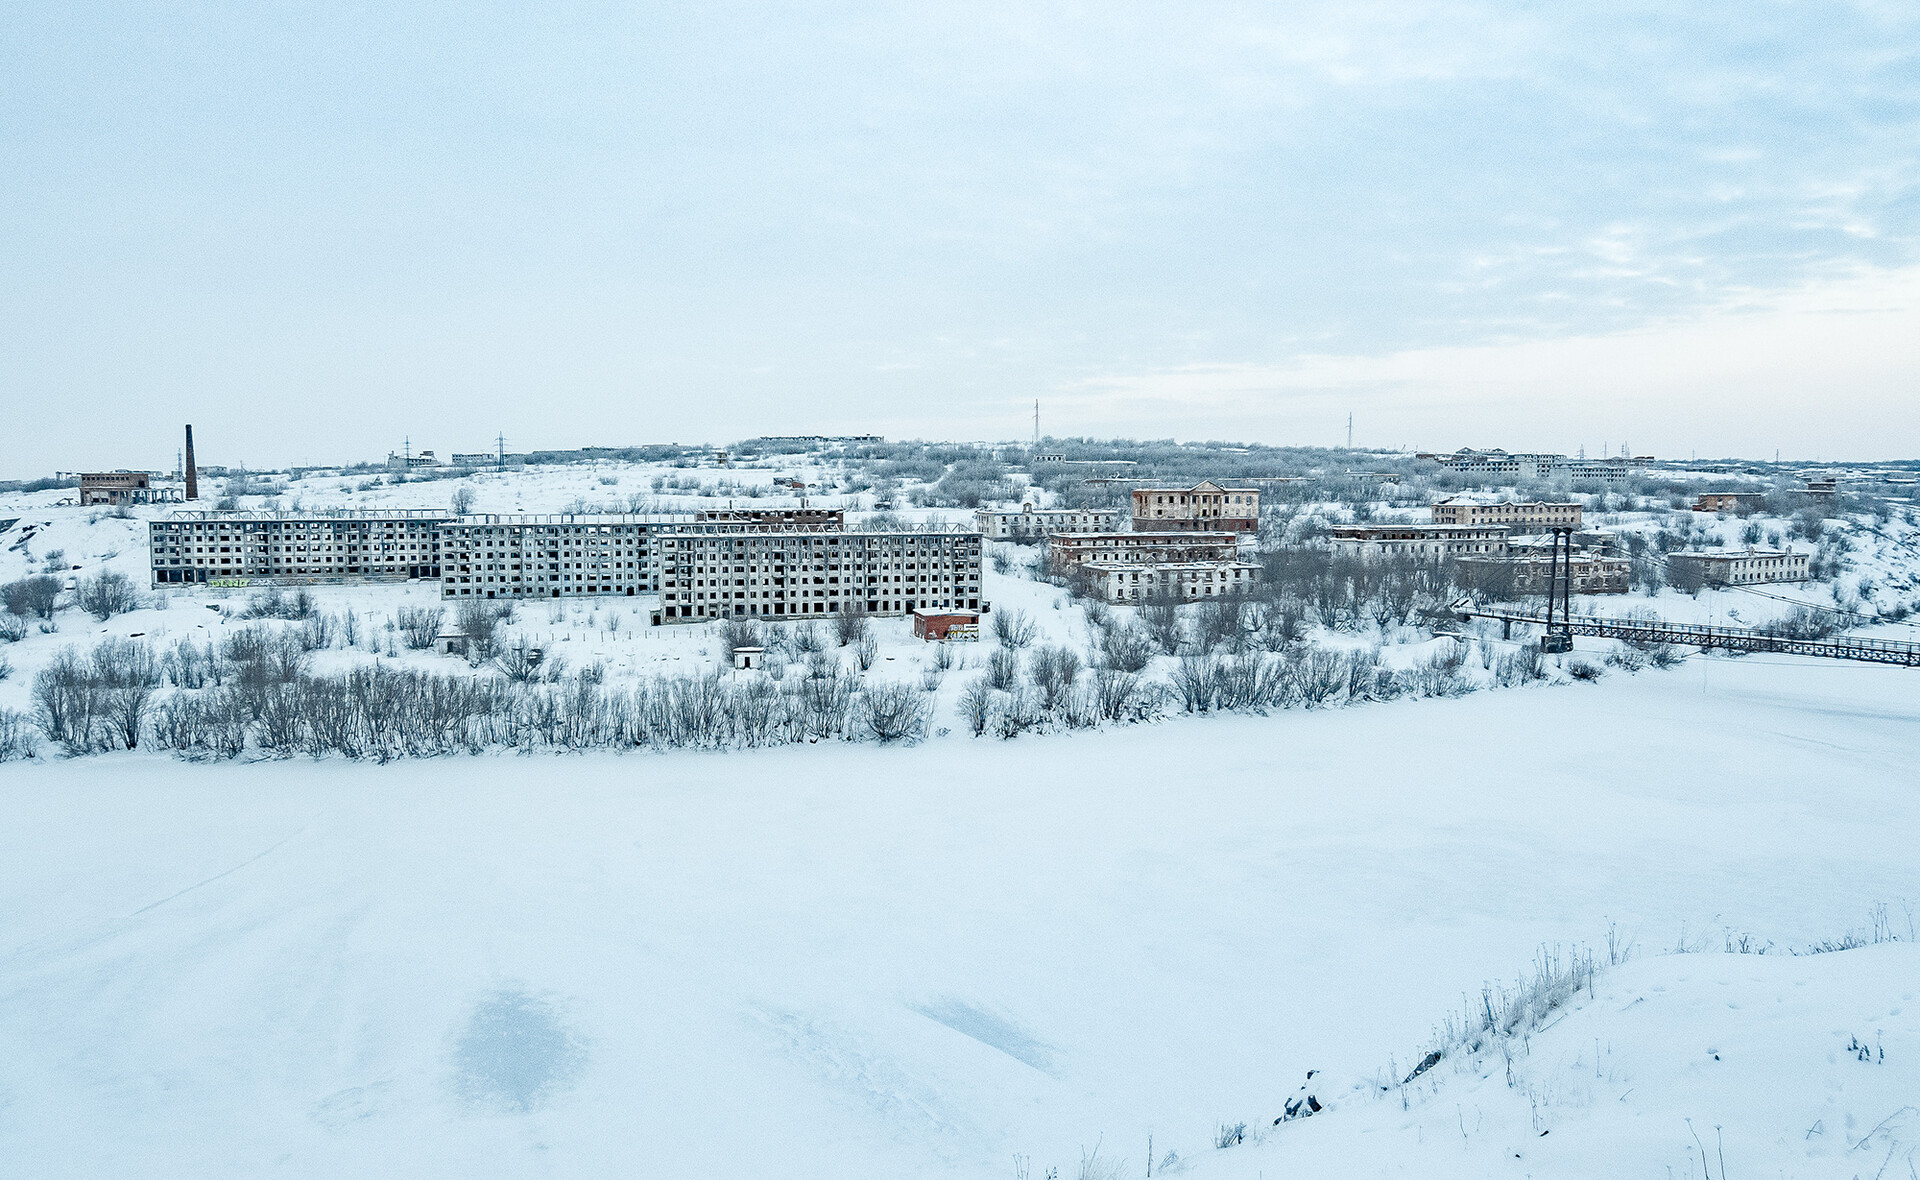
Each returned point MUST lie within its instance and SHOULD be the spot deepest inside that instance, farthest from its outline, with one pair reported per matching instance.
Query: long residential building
(816, 574)
(1068, 550)
(1742, 567)
(1182, 581)
(1032, 524)
(573, 555)
(1528, 517)
(1204, 506)
(306, 548)
(1592, 574)
(1424, 541)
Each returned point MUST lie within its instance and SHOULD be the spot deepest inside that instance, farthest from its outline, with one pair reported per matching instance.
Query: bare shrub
(1003, 670)
(1013, 629)
(17, 740)
(1161, 618)
(1127, 649)
(1053, 671)
(419, 625)
(976, 705)
(107, 594)
(866, 649)
(893, 711)
(34, 597)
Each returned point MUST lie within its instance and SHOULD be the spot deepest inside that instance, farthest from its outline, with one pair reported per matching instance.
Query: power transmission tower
(500, 463)
(1036, 422)
(1349, 430)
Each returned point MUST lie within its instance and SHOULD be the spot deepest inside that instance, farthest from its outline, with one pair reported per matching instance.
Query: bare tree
(1161, 618)
(851, 623)
(1003, 669)
(865, 650)
(462, 500)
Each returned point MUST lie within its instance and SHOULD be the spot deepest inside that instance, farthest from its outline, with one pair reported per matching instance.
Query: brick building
(1204, 506)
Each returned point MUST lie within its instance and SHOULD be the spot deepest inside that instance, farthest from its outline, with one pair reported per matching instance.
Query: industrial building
(1028, 523)
(1066, 551)
(1425, 541)
(1532, 516)
(122, 488)
(201, 548)
(766, 575)
(1177, 581)
(1205, 505)
(1742, 567)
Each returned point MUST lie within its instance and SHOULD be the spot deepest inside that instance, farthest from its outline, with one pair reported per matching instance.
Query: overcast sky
(315, 231)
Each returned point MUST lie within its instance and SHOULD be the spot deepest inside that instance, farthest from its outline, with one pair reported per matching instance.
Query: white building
(294, 549)
(1520, 517)
(1183, 581)
(1029, 523)
(815, 574)
(1430, 542)
(1742, 567)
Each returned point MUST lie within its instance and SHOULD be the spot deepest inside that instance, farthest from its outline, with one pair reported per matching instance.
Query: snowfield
(848, 960)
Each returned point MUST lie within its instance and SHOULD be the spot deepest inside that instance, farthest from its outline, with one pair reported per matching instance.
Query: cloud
(1828, 368)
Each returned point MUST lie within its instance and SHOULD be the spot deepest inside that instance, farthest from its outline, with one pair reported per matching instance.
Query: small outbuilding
(451, 641)
(745, 659)
(946, 625)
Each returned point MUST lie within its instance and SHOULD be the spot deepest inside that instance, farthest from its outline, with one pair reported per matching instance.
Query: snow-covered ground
(853, 960)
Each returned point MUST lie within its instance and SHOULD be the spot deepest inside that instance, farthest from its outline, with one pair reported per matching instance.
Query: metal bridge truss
(1839, 647)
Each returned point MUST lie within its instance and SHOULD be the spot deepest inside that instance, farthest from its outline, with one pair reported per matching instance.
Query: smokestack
(192, 473)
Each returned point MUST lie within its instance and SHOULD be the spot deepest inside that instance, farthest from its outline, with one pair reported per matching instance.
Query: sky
(317, 231)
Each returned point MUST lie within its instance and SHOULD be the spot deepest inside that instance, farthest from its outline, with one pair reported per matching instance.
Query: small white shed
(747, 658)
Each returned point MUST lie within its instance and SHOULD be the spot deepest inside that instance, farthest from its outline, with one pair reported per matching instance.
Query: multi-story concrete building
(1181, 581)
(1536, 516)
(121, 487)
(829, 520)
(1426, 541)
(574, 554)
(1742, 567)
(1031, 524)
(816, 574)
(1498, 464)
(1065, 551)
(1592, 573)
(200, 548)
(1205, 505)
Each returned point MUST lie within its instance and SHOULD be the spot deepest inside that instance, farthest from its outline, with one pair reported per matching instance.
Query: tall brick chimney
(192, 473)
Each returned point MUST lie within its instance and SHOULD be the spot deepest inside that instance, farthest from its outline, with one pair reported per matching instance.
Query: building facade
(1066, 551)
(294, 549)
(1742, 567)
(816, 574)
(120, 487)
(1204, 506)
(1180, 581)
(1741, 502)
(1535, 516)
(1592, 573)
(1430, 542)
(1031, 524)
(582, 555)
